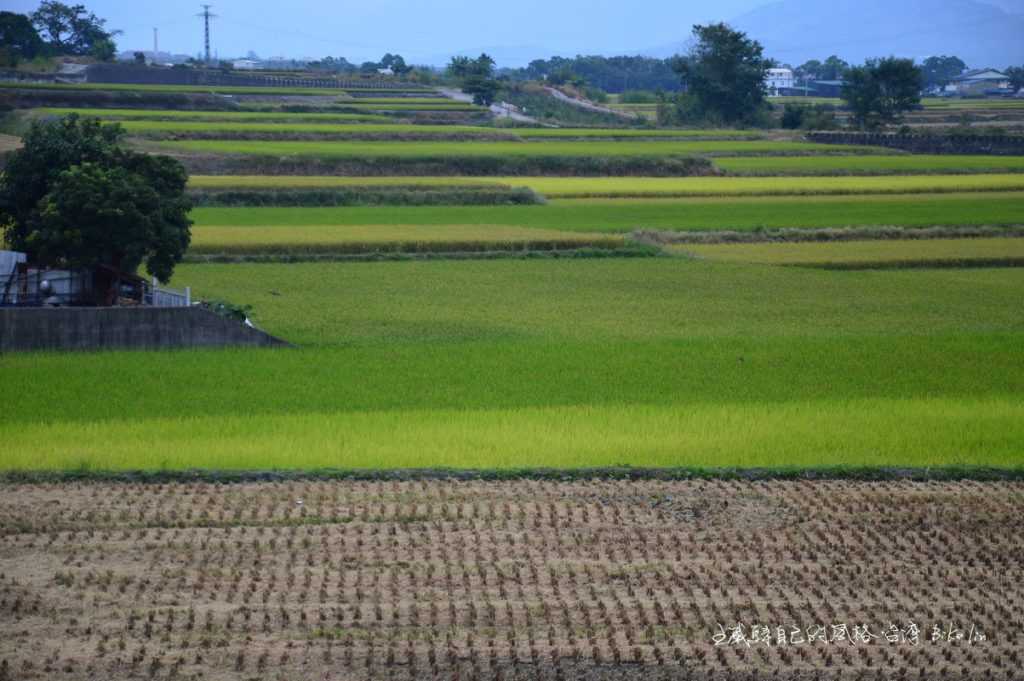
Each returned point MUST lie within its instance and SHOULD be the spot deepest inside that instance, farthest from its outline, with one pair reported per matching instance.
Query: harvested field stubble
(516, 580)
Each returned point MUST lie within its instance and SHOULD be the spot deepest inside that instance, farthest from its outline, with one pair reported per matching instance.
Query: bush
(809, 117)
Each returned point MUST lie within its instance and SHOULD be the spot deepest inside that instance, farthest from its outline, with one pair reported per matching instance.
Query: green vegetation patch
(585, 187)
(560, 148)
(625, 215)
(890, 252)
(511, 364)
(362, 239)
(871, 164)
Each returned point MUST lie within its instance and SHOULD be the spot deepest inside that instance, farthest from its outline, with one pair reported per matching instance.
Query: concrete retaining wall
(110, 328)
(996, 145)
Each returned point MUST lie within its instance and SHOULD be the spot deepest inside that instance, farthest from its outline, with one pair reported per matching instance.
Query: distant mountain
(794, 31)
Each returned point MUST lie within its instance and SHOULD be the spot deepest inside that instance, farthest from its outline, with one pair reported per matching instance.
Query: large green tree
(18, 39)
(73, 197)
(72, 29)
(725, 72)
(476, 78)
(882, 90)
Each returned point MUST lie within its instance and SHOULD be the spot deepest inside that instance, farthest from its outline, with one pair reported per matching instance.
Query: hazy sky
(419, 29)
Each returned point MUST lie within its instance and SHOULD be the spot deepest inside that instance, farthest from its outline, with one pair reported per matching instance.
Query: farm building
(23, 284)
(978, 82)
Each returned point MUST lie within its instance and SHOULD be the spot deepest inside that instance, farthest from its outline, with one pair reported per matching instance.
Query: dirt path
(499, 109)
(583, 104)
(513, 580)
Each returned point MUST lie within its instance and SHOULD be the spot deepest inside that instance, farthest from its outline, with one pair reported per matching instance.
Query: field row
(589, 148)
(522, 580)
(583, 187)
(223, 89)
(625, 215)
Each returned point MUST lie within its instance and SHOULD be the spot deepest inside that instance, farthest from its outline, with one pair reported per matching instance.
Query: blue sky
(419, 29)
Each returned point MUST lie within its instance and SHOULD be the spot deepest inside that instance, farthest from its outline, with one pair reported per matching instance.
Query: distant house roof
(975, 75)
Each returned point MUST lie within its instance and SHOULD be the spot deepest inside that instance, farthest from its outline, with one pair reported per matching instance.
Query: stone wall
(1002, 145)
(113, 328)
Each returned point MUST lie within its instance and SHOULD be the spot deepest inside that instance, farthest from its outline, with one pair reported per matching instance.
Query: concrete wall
(928, 144)
(109, 328)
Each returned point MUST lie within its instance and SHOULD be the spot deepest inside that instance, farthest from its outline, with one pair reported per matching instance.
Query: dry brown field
(443, 579)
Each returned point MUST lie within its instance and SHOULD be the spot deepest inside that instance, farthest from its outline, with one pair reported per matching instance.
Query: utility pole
(205, 15)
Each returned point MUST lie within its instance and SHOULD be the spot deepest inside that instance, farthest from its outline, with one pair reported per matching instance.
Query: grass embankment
(866, 254)
(870, 164)
(586, 187)
(558, 148)
(512, 364)
(614, 216)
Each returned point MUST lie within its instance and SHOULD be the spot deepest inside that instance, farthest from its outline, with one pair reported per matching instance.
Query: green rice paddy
(429, 149)
(624, 215)
(916, 252)
(907, 353)
(507, 364)
(585, 187)
(870, 164)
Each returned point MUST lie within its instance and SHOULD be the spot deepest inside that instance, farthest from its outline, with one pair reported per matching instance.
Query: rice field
(625, 215)
(356, 127)
(217, 89)
(518, 580)
(587, 187)
(888, 252)
(589, 148)
(235, 116)
(871, 164)
(406, 239)
(507, 364)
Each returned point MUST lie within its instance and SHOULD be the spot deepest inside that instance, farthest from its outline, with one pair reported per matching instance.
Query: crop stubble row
(526, 579)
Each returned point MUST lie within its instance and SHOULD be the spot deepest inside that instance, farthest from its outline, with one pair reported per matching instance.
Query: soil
(524, 579)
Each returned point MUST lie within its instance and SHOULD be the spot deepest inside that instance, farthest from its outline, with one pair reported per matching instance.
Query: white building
(778, 79)
(977, 81)
(245, 64)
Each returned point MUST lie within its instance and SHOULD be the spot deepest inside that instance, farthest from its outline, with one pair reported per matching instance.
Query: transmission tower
(205, 15)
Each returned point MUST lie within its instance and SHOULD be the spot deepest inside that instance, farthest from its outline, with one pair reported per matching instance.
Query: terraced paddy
(549, 148)
(867, 254)
(625, 215)
(871, 164)
(585, 187)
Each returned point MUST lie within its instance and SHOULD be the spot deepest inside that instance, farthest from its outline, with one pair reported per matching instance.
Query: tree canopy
(724, 72)
(476, 77)
(1016, 77)
(18, 39)
(832, 68)
(73, 197)
(73, 30)
(882, 90)
(938, 71)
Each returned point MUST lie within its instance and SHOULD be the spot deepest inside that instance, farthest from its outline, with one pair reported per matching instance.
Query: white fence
(157, 296)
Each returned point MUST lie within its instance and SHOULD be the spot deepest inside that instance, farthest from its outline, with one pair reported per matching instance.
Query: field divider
(877, 474)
